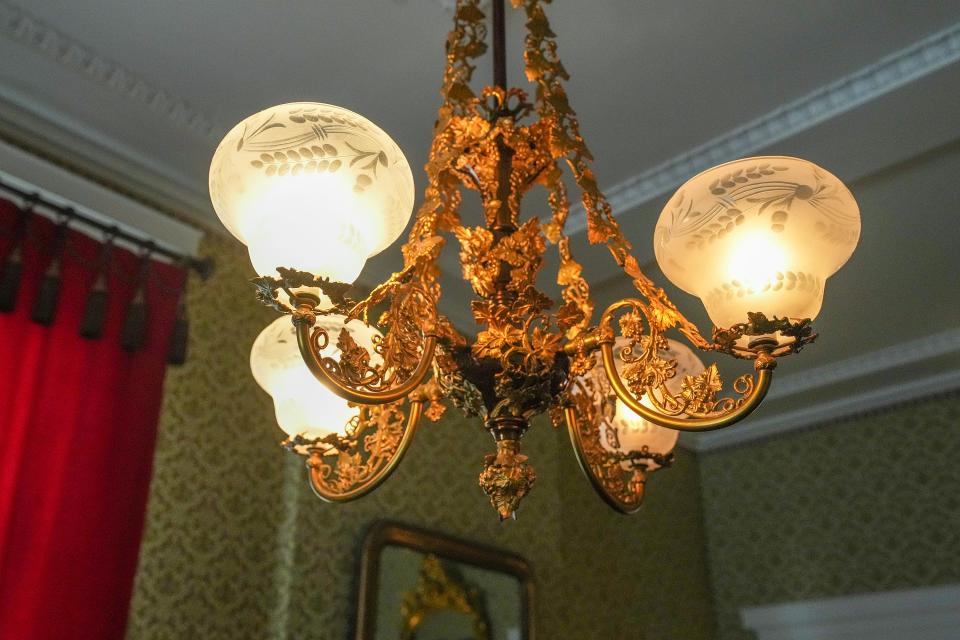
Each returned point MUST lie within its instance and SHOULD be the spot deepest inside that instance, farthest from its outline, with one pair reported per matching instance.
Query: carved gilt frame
(383, 534)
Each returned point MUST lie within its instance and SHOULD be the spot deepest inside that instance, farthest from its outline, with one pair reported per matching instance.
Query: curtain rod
(204, 267)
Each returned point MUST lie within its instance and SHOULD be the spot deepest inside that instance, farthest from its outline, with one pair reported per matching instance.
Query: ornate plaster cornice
(869, 83)
(18, 25)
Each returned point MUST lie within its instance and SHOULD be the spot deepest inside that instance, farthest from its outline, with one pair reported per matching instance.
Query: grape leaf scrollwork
(619, 477)
(642, 371)
(349, 464)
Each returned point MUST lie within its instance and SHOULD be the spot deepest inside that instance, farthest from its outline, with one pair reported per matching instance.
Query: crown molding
(56, 137)
(942, 344)
(62, 187)
(18, 25)
(926, 56)
(85, 152)
(821, 412)
(899, 355)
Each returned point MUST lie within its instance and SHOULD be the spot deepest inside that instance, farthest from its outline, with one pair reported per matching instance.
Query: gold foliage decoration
(345, 467)
(437, 591)
(529, 347)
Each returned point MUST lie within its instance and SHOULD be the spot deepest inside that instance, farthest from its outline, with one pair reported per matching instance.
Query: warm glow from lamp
(312, 187)
(303, 405)
(758, 234)
(755, 260)
(634, 432)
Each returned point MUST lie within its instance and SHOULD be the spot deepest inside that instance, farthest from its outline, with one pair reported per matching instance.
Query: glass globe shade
(312, 187)
(303, 405)
(758, 234)
(634, 432)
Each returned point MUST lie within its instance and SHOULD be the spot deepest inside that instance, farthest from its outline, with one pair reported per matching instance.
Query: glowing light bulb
(627, 431)
(634, 433)
(758, 235)
(313, 187)
(317, 243)
(755, 260)
(302, 404)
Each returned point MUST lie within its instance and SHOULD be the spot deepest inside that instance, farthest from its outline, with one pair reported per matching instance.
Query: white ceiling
(140, 92)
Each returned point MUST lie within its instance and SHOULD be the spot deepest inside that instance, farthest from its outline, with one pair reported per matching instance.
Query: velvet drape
(78, 420)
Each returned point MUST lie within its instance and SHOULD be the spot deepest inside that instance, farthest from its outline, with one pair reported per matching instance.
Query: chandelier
(320, 189)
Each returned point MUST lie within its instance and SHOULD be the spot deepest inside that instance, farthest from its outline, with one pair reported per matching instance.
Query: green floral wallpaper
(869, 504)
(236, 546)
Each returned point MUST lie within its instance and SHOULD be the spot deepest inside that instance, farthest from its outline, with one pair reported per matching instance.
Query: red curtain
(77, 428)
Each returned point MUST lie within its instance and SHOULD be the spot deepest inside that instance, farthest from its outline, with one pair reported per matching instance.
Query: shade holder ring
(776, 337)
(295, 286)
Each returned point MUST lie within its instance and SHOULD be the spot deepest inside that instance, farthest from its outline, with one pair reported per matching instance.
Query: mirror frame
(386, 533)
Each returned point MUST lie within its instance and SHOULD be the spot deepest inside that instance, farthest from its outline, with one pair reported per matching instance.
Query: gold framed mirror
(424, 585)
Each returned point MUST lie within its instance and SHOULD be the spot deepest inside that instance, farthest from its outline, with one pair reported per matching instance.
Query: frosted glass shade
(312, 187)
(302, 404)
(633, 432)
(758, 234)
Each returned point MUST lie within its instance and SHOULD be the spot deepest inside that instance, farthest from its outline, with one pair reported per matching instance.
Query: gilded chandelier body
(532, 353)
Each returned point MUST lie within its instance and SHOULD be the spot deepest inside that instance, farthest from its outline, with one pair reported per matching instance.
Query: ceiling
(139, 94)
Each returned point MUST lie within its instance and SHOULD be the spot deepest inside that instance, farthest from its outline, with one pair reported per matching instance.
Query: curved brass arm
(603, 471)
(748, 404)
(319, 469)
(361, 396)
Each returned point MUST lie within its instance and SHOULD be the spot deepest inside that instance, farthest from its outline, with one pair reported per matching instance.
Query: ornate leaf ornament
(354, 359)
(700, 392)
(531, 353)
(438, 591)
(507, 478)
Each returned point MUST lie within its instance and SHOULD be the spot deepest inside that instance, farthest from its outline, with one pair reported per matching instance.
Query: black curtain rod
(204, 267)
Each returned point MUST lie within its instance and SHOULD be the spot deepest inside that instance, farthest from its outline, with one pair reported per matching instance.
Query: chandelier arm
(318, 469)
(603, 471)
(741, 409)
(361, 396)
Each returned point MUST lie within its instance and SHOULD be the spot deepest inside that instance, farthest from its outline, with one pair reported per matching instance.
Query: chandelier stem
(504, 222)
(499, 45)
(507, 428)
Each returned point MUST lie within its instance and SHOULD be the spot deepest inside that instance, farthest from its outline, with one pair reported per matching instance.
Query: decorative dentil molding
(869, 83)
(20, 26)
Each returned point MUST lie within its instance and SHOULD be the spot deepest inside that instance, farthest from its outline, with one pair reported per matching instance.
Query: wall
(868, 504)
(238, 547)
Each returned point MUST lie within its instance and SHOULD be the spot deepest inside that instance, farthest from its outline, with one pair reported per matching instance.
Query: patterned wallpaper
(868, 504)
(237, 546)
